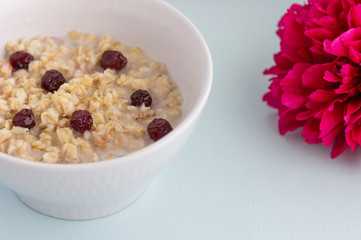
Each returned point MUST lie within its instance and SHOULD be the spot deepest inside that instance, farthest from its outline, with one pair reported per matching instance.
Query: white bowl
(94, 190)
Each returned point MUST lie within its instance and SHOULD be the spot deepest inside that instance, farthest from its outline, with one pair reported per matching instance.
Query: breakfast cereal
(61, 101)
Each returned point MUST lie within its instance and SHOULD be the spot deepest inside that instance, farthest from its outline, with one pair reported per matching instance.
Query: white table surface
(237, 178)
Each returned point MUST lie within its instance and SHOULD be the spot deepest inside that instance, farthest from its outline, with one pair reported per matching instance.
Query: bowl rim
(184, 124)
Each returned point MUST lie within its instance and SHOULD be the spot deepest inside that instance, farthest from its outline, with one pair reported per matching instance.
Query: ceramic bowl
(93, 190)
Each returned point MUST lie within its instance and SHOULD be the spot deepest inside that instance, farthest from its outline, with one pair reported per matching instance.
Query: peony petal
(339, 146)
(356, 44)
(330, 77)
(293, 82)
(313, 76)
(319, 114)
(333, 8)
(293, 53)
(319, 34)
(354, 55)
(353, 135)
(304, 115)
(305, 54)
(352, 106)
(271, 100)
(293, 101)
(317, 48)
(343, 88)
(288, 122)
(355, 117)
(311, 132)
(328, 139)
(317, 107)
(331, 24)
(321, 95)
(317, 11)
(293, 34)
(351, 35)
(283, 62)
(335, 47)
(355, 132)
(283, 65)
(350, 141)
(348, 89)
(355, 14)
(275, 87)
(331, 119)
(340, 45)
(348, 74)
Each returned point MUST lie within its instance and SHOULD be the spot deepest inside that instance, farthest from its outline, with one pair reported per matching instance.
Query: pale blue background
(236, 178)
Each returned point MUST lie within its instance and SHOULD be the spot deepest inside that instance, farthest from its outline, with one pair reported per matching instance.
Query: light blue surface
(231, 181)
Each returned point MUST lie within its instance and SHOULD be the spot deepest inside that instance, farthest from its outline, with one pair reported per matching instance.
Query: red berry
(113, 59)
(81, 121)
(141, 96)
(20, 60)
(52, 80)
(24, 118)
(158, 128)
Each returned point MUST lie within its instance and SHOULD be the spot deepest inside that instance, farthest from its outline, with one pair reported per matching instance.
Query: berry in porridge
(113, 60)
(141, 96)
(24, 118)
(158, 128)
(52, 80)
(20, 60)
(81, 121)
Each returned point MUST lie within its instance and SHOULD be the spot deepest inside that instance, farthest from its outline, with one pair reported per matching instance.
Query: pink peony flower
(316, 80)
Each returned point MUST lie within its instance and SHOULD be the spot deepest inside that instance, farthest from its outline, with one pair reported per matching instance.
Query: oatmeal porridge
(82, 99)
